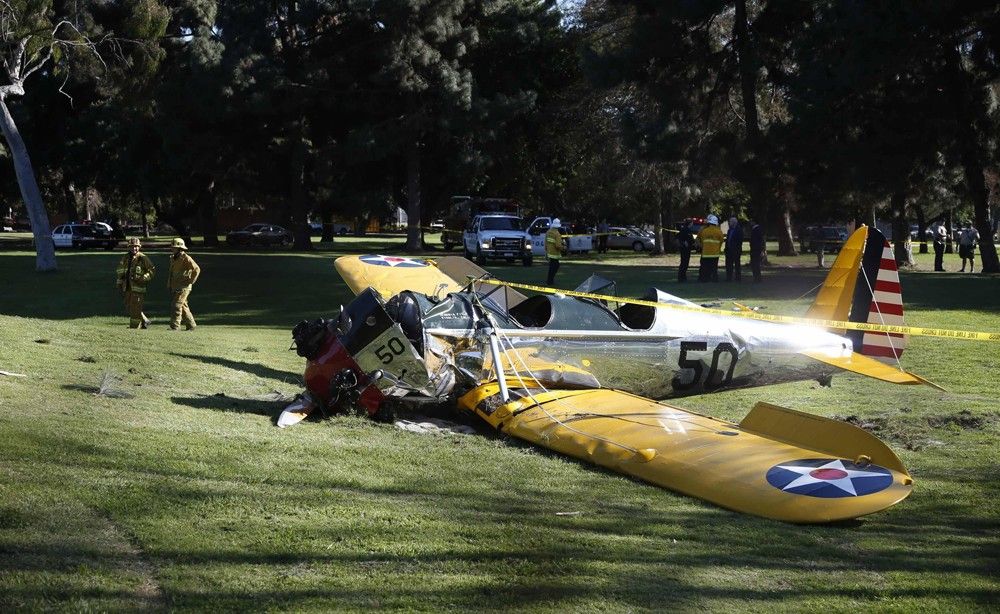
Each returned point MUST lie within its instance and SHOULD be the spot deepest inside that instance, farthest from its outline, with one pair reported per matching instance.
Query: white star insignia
(843, 482)
(397, 261)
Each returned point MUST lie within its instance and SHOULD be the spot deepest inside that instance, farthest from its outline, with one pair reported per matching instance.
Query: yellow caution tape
(753, 315)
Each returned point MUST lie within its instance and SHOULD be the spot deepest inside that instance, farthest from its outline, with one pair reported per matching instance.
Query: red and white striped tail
(886, 308)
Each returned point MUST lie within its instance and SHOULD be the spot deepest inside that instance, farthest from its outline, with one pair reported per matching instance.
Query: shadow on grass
(253, 368)
(650, 550)
(222, 402)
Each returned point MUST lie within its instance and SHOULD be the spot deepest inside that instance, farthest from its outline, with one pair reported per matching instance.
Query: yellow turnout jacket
(134, 272)
(184, 271)
(711, 241)
(553, 244)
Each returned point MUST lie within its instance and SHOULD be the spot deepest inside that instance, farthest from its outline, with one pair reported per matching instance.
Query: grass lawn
(171, 488)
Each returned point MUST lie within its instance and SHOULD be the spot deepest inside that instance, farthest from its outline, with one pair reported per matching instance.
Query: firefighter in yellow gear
(553, 250)
(184, 271)
(711, 240)
(134, 272)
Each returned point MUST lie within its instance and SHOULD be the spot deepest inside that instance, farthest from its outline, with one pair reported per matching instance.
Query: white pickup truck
(496, 236)
(574, 244)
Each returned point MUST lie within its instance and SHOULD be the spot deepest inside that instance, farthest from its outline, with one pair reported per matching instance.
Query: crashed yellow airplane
(576, 376)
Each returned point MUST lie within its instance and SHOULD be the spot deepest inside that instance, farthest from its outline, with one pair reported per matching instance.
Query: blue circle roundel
(829, 478)
(393, 261)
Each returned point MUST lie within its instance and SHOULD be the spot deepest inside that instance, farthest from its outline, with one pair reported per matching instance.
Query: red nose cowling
(330, 360)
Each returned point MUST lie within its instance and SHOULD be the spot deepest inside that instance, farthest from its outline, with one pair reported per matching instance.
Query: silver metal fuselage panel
(680, 353)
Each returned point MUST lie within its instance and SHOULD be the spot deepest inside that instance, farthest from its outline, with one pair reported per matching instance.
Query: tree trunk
(748, 87)
(975, 181)
(45, 251)
(669, 238)
(949, 244)
(658, 231)
(297, 215)
(971, 114)
(786, 242)
(413, 195)
(987, 250)
(144, 216)
(900, 230)
(326, 217)
(69, 201)
(206, 210)
(173, 218)
(921, 229)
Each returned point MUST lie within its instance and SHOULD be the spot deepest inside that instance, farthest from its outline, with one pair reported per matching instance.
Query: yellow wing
(390, 275)
(777, 463)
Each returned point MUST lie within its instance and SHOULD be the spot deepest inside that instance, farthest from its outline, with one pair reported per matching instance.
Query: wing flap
(751, 471)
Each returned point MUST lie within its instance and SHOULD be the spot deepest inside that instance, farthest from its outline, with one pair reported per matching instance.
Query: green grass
(185, 496)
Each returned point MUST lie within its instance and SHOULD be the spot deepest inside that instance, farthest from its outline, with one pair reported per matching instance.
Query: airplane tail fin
(863, 286)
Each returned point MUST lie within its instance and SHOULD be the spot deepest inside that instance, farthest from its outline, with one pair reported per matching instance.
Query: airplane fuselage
(442, 345)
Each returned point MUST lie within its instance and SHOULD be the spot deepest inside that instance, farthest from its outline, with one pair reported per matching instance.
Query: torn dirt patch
(964, 419)
(890, 429)
(914, 433)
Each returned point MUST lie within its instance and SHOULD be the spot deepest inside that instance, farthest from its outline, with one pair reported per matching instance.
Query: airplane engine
(333, 378)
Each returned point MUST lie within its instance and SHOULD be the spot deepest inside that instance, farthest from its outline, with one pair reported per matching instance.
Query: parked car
(630, 238)
(84, 234)
(831, 238)
(339, 228)
(260, 235)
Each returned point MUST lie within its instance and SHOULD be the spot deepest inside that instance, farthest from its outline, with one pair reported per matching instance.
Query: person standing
(133, 273)
(602, 236)
(967, 245)
(756, 249)
(711, 241)
(553, 249)
(939, 238)
(184, 271)
(734, 250)
(685, 243)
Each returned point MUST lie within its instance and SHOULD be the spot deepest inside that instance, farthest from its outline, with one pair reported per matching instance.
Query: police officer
(553, 249)
(685, 243)
(134, 272)
(939, 240)
(711, 246)
(184, 271)
(734, 249)
(756, 248)
(602, 236)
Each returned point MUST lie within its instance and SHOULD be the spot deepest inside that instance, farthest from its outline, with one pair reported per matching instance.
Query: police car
(84, 234)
